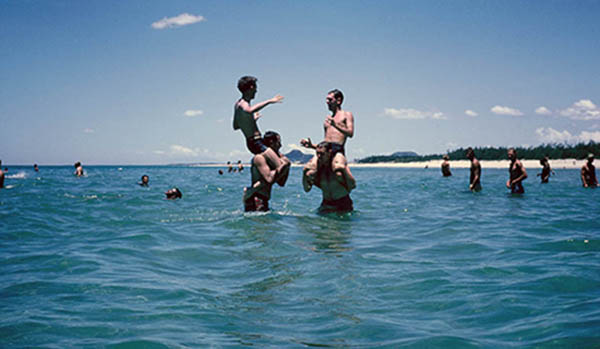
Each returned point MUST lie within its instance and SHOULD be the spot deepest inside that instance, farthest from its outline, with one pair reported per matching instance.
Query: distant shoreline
(534, 164)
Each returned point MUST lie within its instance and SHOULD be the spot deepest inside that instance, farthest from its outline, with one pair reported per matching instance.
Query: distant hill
(296, 156)
(399, 156)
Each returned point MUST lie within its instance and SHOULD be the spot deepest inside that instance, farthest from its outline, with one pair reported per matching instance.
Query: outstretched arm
(251, 109)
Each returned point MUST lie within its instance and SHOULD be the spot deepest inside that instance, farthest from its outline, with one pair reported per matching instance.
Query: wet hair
(513, 150)
(269, 137)
(324, 144)
(469, 151)
(446, 157)
(77, 164)
(337, 94)
(246, 82)
(177, 193)
(146, 176)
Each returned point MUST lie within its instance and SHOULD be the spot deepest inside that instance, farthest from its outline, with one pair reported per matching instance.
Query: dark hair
(337, 94)
(246, 82)
(270, 137)
(325, 144)
(469, 151)
(177, 193)
(77, 164)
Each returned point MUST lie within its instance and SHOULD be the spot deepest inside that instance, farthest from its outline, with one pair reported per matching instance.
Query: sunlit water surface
(102, 262)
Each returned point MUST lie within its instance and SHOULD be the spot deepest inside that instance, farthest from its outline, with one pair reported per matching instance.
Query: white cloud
(178, 21)
(412, 114)
(192, 113)
(543, 111)
(500, 110)
(550, 135)
(469, 112)
(237, 153)
(88, 130)
(451, 145)
(584, 109)
(184, 151)
(159, 152)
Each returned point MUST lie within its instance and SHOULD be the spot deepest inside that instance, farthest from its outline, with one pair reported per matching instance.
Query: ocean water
(102, 262)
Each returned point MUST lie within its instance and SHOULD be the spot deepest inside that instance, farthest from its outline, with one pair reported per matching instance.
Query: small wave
(19, 175)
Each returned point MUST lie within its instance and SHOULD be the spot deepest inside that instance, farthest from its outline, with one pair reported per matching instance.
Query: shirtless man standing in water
(338, 126)
(246, 115)
(335, 186)
(256, 197)
(474, 181)
(588, 173)
(1, 176)
(517, 173)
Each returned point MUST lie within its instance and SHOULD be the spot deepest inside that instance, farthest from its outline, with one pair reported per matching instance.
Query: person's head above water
(173, 194)
(512, 153)
(470, 153)
(77, 164)
(145, 180)
(324, 153)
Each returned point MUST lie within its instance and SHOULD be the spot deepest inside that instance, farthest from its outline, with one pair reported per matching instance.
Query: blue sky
(154, 82)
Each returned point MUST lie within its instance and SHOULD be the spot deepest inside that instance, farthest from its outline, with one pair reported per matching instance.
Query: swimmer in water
(145, 180)
(256, 197)
(588, 173)
(517, 173)
(546, 170)
(335, 185)
(78, 169)
(1, 176)
(475, 180)
(446, 166)
(173, 194)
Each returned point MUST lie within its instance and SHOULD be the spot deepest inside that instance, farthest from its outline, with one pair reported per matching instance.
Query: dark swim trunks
(343, 204)
(255, 145)
(256, 202)
(337, 148)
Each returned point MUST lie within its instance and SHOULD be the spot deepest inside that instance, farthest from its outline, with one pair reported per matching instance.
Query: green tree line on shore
(552, 151)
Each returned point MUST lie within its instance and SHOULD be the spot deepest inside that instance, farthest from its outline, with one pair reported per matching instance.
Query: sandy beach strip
(534, 164)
